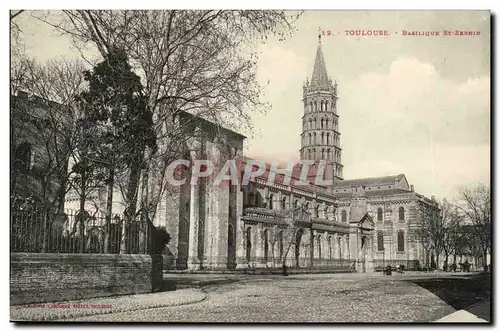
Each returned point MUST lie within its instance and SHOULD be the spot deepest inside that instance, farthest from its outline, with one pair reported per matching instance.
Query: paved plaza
(411, 297)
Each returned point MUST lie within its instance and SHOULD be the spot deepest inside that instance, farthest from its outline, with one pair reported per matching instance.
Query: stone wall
(47, 277)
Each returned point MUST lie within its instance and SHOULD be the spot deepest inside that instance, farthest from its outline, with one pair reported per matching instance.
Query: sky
(417, 105)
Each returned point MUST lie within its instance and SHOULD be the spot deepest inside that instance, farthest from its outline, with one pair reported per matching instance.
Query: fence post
(123, 245)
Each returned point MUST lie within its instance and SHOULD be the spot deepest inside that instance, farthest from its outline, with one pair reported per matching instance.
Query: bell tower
(320, 138)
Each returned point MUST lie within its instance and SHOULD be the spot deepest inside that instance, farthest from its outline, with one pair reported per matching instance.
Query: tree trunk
(82, 212)
(485, 267)
(311, 243)
(109, 211)
(274, 258)
(131, 200)
(132, 189)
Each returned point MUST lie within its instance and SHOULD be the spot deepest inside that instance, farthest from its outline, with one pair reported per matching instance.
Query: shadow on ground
(461, 292)
(174, 284)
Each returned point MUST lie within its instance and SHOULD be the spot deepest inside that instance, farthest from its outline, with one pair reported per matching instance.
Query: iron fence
(37, 230)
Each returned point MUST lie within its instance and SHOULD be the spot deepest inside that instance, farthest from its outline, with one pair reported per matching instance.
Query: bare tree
(191, 61)
(18, 60)
(475, 204)
(46, 115)
(289, 235)
(424, 230)
(442, 230)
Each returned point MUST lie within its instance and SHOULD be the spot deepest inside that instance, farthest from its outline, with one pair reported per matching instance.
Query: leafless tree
(475, 204)
(288, 233)
(19, 62)
(424, 230)
(191, 61)
(46, 114)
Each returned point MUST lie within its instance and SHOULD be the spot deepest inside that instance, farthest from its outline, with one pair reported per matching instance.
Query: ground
(316, 298)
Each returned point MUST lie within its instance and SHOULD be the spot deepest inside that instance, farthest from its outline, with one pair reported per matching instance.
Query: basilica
(360, 224)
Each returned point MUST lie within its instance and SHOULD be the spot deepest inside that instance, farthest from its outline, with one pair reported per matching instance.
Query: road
(312, 298)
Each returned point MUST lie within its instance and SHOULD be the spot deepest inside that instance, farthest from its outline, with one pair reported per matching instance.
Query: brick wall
(38, 277)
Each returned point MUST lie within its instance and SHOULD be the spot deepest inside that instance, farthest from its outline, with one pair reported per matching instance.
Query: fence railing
(37, 230)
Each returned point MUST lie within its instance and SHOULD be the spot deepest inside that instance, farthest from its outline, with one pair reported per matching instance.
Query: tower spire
(319, 76)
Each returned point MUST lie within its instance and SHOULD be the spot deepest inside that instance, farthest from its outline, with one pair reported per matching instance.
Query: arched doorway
(298, 239)
(266, 246)
(248, 243)
(231, 249)
(364, 244)
(183, 244)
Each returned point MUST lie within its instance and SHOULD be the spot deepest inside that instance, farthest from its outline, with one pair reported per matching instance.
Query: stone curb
(99, 306)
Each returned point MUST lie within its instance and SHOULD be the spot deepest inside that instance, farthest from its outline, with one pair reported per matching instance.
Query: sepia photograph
(250, 166)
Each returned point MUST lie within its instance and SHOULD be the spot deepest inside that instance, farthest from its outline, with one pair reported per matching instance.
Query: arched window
(315, 106)
(283, 203)
(310, 106)
(327, 138)
(321, 103)
(344, 216)
(258, 200)
(306, 206)
(380, 241)
(328, 154)
(309, 135)
(316, 211)
(326, 123)
(310, 125)
(314, 138)
(322, 137)
(314, 154)
(401, 241)
(401, 213)
(22, 157)
(322, 123)
(183, 230)
(326, 108)
(379, 214)
(271, 198)
(251, 199)
(309, 156)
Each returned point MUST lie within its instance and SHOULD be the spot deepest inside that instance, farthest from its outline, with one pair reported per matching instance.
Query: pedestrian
(352, 267)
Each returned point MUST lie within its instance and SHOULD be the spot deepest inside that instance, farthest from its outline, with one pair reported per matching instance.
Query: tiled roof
(383, 180)
(372, 193)
(295, 178)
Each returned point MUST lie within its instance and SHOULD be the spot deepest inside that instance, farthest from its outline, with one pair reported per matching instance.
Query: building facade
(361, 224)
